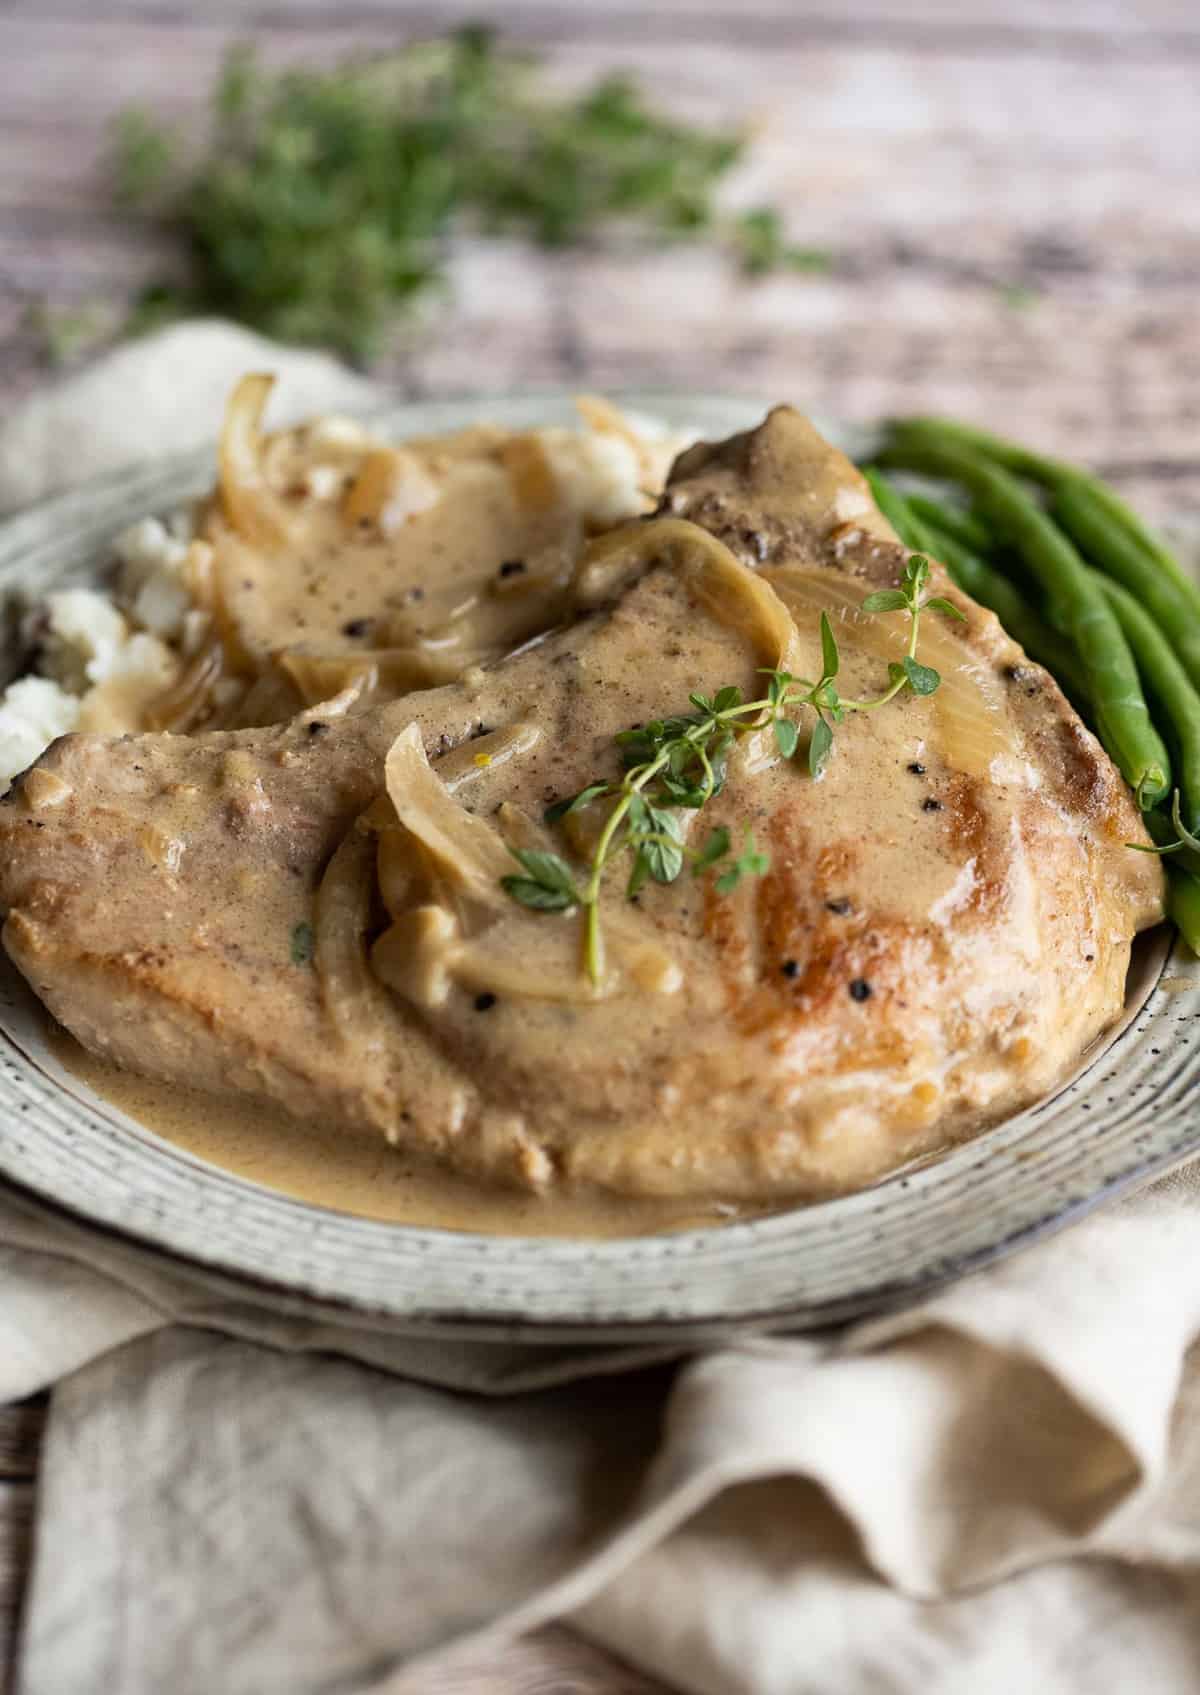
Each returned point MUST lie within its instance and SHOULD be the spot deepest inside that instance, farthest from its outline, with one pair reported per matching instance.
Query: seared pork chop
(944, 927)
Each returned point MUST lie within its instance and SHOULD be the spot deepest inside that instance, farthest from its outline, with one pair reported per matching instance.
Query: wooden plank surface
(954, 160)
(951, 160)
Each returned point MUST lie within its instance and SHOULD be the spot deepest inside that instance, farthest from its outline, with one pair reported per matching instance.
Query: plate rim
(72, 527)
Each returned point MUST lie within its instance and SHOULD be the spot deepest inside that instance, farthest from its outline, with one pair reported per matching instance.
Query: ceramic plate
(1133, 1111)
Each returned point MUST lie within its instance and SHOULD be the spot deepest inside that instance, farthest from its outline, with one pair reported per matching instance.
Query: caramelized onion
(465, 853)
(735, 595)
(320, 677)
(391, 487)
(530, 472)
(198, 574)
(471, 759)
(387, 671)
(187, 699)
(361, 1012)
(251, 506)
(975, 724)
(468, 930)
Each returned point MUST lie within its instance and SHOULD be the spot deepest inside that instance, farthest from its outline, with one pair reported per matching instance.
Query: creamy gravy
(356, 1171)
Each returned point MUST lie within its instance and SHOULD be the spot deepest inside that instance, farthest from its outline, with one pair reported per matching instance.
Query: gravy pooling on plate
(358, 1172)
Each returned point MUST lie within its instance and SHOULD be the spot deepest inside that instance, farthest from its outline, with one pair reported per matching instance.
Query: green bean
(1126, 522)
(1009, 454)
(1075, 601)
(897, 510)
(992, 589)
(979, 579)
(1183, 905)
(1052, 474)
(955, 521)
(1168, 684)
(1116, 554)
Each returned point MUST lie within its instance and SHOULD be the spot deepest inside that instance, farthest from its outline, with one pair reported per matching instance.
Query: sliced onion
(530, 472)
(465, 853)
(342, 919)
(468, 762)
(320, 676)
(469, 931)
(388, 671)
(970, 705)
(252, 507)
(364, 1017)
(180, 706)
(735, 595)
(397, 866)
(391, 487)
(198, 574)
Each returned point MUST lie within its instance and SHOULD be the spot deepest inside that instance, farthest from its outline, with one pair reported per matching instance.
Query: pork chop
(945, 925)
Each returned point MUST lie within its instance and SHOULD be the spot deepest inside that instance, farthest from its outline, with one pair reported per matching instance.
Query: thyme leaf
(820, 744)
(750, 863)
(548, 884)
(575, 803)
(302, 944)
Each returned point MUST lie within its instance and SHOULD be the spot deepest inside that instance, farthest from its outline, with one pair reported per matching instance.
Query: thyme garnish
(302, 944)
(320, 205)
(1184, 838)
(677, 764)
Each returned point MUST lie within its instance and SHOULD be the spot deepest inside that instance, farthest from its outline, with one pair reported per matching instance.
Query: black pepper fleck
(416, 594)
(317, 728)
(931, 805)
(356, 628)
(512, 567)
(917, 769)
(756, 542)
(840, 906)
(790, 967)
(485, 1002)
(860, 989)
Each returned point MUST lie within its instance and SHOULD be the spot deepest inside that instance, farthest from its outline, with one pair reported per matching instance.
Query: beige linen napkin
(997, 1490)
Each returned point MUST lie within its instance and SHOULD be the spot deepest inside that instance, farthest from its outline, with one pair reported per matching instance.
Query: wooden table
(1007, 190)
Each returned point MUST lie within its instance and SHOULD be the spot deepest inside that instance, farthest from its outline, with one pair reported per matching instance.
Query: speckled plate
(1133, 1111)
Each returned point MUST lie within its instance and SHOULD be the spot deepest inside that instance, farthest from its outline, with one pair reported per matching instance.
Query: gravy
(356, 1171)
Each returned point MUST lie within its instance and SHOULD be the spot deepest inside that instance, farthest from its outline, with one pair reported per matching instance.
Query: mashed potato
(103, 658)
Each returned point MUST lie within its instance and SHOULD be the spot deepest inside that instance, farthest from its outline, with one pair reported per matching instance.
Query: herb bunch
(323, 201)
(677, 764)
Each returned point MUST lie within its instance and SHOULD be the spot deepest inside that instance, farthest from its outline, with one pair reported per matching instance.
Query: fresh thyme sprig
(677, 764)
(320, 205)
(1184, 838)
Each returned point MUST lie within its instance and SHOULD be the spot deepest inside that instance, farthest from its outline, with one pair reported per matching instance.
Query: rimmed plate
(1133, 1111)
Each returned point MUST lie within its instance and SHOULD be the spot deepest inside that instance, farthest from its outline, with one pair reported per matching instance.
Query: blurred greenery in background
(321, 203)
